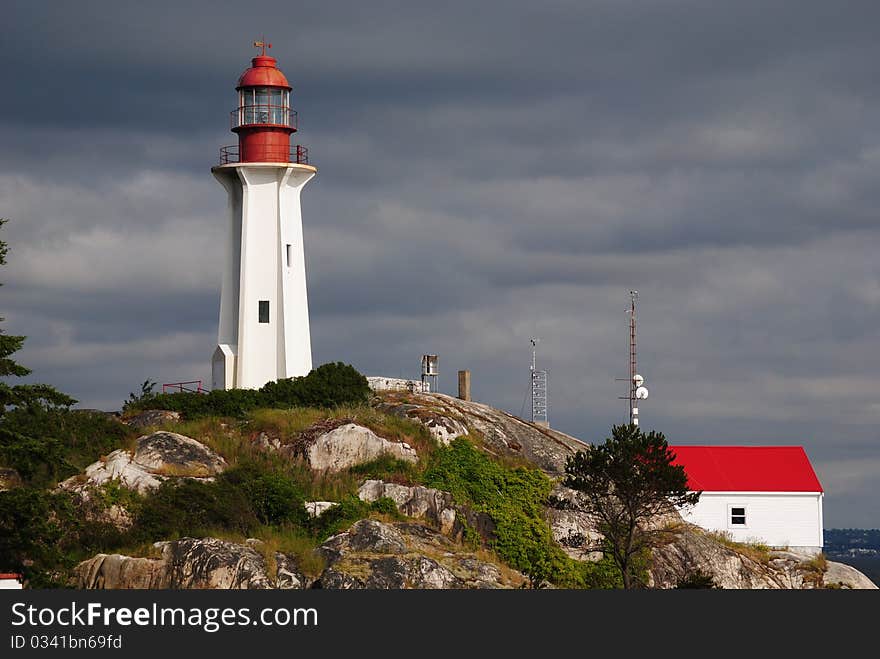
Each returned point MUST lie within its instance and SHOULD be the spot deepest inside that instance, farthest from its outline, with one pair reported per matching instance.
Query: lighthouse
(263, 332)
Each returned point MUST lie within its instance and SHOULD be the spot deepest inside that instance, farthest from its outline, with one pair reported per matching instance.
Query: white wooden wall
(778, 519)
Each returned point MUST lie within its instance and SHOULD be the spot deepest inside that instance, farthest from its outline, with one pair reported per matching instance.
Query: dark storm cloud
(488, 172)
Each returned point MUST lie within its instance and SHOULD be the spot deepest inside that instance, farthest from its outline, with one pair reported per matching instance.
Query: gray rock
(418, 502)
(840, 575)
(372, 554)
(442, 426)
(152, 418)
(691, 550)
(158, 456)
(375, 537)
(502, 433)
(350, 445)
(178, 455)
(189, 563)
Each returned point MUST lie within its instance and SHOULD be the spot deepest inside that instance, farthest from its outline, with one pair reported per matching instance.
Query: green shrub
(514, 498)
(43, 534)
(273, 497)
(329, 385)
(697, 579)
(347, 512)
(188, 507)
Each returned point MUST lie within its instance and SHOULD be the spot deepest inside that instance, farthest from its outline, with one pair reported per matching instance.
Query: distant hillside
(852, 542)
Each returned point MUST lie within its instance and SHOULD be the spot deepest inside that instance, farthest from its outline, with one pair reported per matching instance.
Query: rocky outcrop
(502, 433)
(434, 506)
(350, 445)
(692, 551)
(572, 528)
(152, 419)
(9, 479)
(157, 456)
(190, 563)
(372, 554)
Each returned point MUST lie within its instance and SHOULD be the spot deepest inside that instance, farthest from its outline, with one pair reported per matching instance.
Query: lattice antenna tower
(540, 396)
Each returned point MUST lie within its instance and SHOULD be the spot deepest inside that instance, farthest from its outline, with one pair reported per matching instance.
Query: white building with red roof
(768, 494)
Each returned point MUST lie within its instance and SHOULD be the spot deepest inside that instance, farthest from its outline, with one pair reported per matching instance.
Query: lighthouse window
(264, 311)
(265, 106)
(289, 254)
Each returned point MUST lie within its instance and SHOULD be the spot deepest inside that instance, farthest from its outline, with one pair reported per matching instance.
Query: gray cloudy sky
(488, 171)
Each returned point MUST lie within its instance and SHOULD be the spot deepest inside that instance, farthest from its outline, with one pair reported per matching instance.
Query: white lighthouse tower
(264, 312)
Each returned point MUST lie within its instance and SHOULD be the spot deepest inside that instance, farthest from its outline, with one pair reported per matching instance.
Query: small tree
(147, 394)
(626, 483)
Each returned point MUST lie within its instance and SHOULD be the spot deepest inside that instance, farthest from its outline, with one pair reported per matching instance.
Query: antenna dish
(642, 393)
(638, 380)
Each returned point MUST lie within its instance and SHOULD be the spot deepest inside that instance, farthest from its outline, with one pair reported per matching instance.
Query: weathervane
(262, 44)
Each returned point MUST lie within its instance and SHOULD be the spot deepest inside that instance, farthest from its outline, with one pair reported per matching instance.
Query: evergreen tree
(627, 484)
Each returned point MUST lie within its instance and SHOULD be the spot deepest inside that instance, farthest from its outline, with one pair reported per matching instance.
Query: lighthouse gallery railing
(296, 153)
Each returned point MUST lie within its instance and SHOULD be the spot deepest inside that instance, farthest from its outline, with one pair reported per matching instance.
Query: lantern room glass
(264, 105)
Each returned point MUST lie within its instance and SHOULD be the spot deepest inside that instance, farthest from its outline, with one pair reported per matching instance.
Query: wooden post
(464, 385)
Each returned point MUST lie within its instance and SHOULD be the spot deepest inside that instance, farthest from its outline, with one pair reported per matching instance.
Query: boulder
(157, 456)
(190, 563)
(152, 418)
(840, 575)
(350, 445)
(419, 502)
(373, 554)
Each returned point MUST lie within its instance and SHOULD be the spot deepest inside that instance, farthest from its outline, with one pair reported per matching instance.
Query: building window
(289, 254)
(737, 515)
(264, 311)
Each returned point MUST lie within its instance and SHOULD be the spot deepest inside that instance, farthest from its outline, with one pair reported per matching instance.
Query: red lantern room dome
(263, 73)
(264, 118)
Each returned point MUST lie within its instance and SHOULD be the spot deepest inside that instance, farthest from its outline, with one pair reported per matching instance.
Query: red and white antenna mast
(636, 391)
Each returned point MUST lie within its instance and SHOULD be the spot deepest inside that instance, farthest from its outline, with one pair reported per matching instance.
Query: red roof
(10, 575)
(747, 468)
(263, 73)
